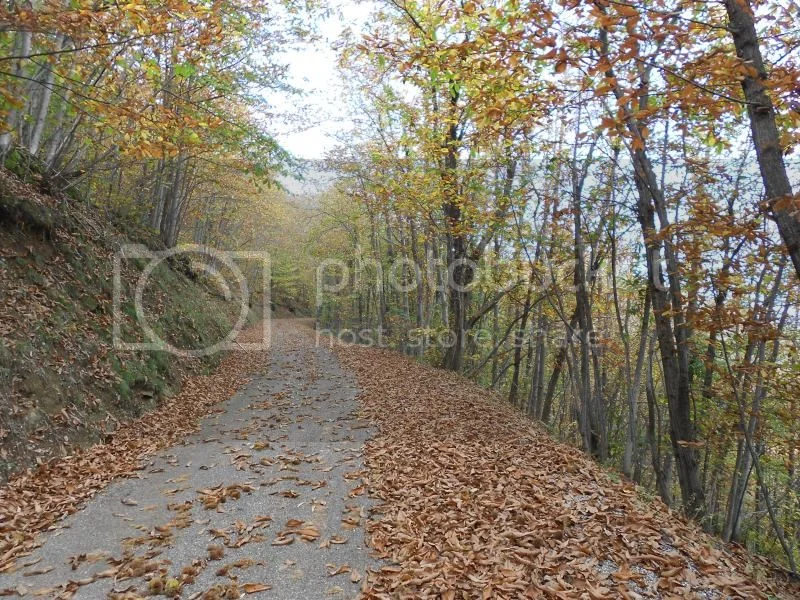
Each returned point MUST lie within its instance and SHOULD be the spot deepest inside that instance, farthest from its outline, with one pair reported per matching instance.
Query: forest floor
(333, 473)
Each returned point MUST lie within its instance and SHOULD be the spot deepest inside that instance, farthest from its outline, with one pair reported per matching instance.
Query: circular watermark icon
(213, 263)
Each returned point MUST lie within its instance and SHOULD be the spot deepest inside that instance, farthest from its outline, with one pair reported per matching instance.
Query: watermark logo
(419, 339)
(236, 274)
(367, 283)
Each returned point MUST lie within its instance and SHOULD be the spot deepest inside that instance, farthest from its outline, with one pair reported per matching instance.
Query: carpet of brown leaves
(34, 501)
(477, 502)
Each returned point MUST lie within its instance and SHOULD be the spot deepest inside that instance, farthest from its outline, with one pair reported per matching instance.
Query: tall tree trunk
(461, 272)
(661, 467)
(22, 47)
(519, 342)
(634, 385)
(536, 392)
(672, 342)
(668, 310)
(744, 459)
(173, 204)
(43, 109)
(380, 291)
(558, 366)
(766, 136)
(420, 288)
(590, 407)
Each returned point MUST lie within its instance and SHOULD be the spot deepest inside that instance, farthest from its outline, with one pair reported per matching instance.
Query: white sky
(322, 111)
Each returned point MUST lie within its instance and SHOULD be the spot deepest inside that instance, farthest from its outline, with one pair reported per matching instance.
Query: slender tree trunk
(21, 47)
(673, 345)
(591, 401)
(457, 258)
(519, 341)
(174, 198)
(536, 392)
(744, 458)
(561, 355)
(43, 110)
(380, 292)
(633, 390)
(420, 287)
(661, 467)
(668, 309)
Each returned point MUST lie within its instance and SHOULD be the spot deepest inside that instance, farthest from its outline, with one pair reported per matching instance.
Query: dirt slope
(62, 384)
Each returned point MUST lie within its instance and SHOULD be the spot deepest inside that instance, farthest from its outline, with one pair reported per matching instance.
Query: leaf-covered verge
(62, 383)
(478, 502)
(34, 501)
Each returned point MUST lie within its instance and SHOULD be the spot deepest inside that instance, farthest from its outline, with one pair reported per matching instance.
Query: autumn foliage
(619, 177)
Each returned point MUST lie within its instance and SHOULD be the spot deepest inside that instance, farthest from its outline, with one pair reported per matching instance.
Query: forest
(586, 206)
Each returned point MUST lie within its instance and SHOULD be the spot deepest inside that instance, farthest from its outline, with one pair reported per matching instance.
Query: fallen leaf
(252, 588)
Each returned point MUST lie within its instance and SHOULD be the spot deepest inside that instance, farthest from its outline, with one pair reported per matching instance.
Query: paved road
(266, 494)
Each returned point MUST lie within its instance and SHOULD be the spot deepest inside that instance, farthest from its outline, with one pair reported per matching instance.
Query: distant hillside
(317, 179)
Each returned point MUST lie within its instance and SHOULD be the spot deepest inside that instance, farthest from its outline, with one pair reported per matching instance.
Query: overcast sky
(313, 69)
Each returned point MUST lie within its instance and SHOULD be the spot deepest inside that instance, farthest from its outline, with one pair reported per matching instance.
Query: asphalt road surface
(265, 501)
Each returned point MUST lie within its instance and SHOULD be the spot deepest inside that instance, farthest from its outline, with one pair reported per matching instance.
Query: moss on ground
(58, 363)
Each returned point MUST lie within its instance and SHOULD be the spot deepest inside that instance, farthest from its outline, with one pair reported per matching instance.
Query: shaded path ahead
(265, 500)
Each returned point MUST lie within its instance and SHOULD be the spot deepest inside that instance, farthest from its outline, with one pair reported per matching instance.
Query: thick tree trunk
(766, 137)
(461, 272)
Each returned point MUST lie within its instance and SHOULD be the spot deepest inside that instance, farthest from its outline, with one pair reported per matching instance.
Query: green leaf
(185, 70)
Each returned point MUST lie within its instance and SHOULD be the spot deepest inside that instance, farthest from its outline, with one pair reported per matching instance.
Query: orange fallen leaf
(252, 588)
